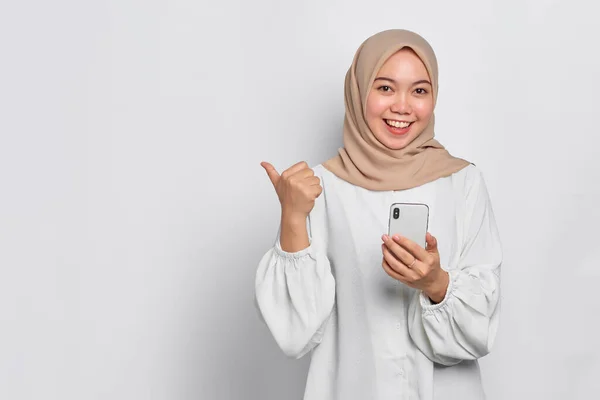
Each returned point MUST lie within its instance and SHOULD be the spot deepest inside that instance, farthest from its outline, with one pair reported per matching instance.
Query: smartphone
(410, 220)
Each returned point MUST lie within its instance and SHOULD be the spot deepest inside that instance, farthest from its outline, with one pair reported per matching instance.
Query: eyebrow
(383, 78)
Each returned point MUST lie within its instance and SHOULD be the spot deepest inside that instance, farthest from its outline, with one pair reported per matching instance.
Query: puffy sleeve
(295, 292)
(463, 325)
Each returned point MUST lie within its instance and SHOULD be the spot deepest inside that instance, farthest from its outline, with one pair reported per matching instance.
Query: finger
(431, 243)
(400, 268)
(271, 172)
(296, 168)
(303, 174)
(316, 190)
(398, 250)
(313, 180)
(391, 272)
(417, 251)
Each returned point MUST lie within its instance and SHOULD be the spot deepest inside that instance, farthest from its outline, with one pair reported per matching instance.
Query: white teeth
(397, 124)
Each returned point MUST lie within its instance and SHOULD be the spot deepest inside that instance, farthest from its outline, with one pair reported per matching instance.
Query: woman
(383, 317)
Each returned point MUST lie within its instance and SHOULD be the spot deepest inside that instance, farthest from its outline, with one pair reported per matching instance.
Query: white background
(134, 211)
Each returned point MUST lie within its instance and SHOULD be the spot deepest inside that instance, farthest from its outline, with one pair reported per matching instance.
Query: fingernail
(396, 237)
(385, 238)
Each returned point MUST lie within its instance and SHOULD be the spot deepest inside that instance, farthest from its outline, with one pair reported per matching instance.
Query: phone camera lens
(396, 213)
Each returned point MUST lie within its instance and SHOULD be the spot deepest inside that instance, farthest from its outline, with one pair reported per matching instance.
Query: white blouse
(369, 335)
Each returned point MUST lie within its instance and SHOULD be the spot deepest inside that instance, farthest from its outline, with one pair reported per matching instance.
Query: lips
(398, 127)
(398, 124)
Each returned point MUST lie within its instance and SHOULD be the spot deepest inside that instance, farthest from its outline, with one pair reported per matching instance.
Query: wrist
(294, 233)
(293, 219)
(437, 291)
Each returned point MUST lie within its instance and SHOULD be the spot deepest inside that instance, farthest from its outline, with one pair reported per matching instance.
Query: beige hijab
(364, 161)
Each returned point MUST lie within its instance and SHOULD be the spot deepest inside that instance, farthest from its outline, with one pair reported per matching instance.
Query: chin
(394, 142)
(396, 145)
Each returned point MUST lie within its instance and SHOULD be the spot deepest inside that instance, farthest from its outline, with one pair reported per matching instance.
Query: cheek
(424, 109)
(376, 106)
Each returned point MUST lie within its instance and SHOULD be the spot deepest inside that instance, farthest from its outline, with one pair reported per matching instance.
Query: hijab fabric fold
(364, 161)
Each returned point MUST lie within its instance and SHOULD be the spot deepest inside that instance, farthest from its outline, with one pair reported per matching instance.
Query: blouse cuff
(295, 255)
(427, 304)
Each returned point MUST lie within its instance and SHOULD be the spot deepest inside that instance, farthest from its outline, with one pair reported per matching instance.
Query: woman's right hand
(297, 188)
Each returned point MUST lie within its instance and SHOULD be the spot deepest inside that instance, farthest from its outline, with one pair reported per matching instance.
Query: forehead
(405, 63)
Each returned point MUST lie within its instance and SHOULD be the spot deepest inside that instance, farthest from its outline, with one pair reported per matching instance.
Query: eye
(385, 88)
(421, 91)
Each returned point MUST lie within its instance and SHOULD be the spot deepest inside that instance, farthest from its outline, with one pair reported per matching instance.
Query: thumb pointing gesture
(297, 188)
(272, 172)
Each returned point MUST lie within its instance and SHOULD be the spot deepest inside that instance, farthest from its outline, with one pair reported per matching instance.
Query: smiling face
(400, 103)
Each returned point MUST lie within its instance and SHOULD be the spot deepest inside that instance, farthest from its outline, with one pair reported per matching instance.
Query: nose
(401, 106)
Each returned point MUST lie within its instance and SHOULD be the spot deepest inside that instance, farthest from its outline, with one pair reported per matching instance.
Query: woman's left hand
(419, 268)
